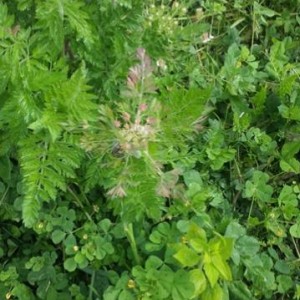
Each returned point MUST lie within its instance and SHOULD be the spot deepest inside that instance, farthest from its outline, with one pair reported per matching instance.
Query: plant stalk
(130, 236)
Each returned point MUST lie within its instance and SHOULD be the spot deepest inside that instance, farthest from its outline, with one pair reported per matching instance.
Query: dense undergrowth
(149, 149)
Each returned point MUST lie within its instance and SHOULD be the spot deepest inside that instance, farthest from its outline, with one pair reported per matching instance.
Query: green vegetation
(149, 149)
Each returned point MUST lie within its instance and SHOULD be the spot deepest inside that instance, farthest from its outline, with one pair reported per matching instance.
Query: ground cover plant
(149, 149)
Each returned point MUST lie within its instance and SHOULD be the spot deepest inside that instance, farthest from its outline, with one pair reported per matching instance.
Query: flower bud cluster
(165, 17)
(135, 133)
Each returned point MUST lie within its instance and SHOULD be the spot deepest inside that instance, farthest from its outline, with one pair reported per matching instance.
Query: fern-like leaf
(45, 168)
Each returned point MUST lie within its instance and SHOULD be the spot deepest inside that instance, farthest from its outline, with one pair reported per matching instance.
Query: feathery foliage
(149, 149)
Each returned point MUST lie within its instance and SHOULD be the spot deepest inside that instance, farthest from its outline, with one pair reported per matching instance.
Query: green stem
(130, 236)
(253, 28)
(296, 248)
(250, 210)
(92, 286)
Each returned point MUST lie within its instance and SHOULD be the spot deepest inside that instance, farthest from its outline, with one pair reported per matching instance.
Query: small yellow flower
(131, 284)
(279, 232)
(41, 225)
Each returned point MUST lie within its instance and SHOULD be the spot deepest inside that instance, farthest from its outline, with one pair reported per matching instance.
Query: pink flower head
(143, 107)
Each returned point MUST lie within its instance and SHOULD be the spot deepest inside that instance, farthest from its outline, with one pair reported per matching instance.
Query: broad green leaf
(153, 262)
(51, 293)
(226, 245)
(288, 162)
(285, 283)
(247, 246)
(211, 273)
(160, 234)
(57, 236)
(111, 293)
(164, 280)
(21, 291)
(290, 149)
(258, 187)
(235, 230)
(105, 224)
(287, 196)
(282, 267)
(214, 293)
(196, 237)
(291, 113)
(295, 230)
(222, 266)
(70, 264)
(290, 165)
(125, 295)
(219, 157)
(192, 176)
(183, 225)
(79, 258)
(276, 227)
(183, 288)
(108, 247)
(70, 241)
(187, 257)
(221, 245)
(198, 279)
